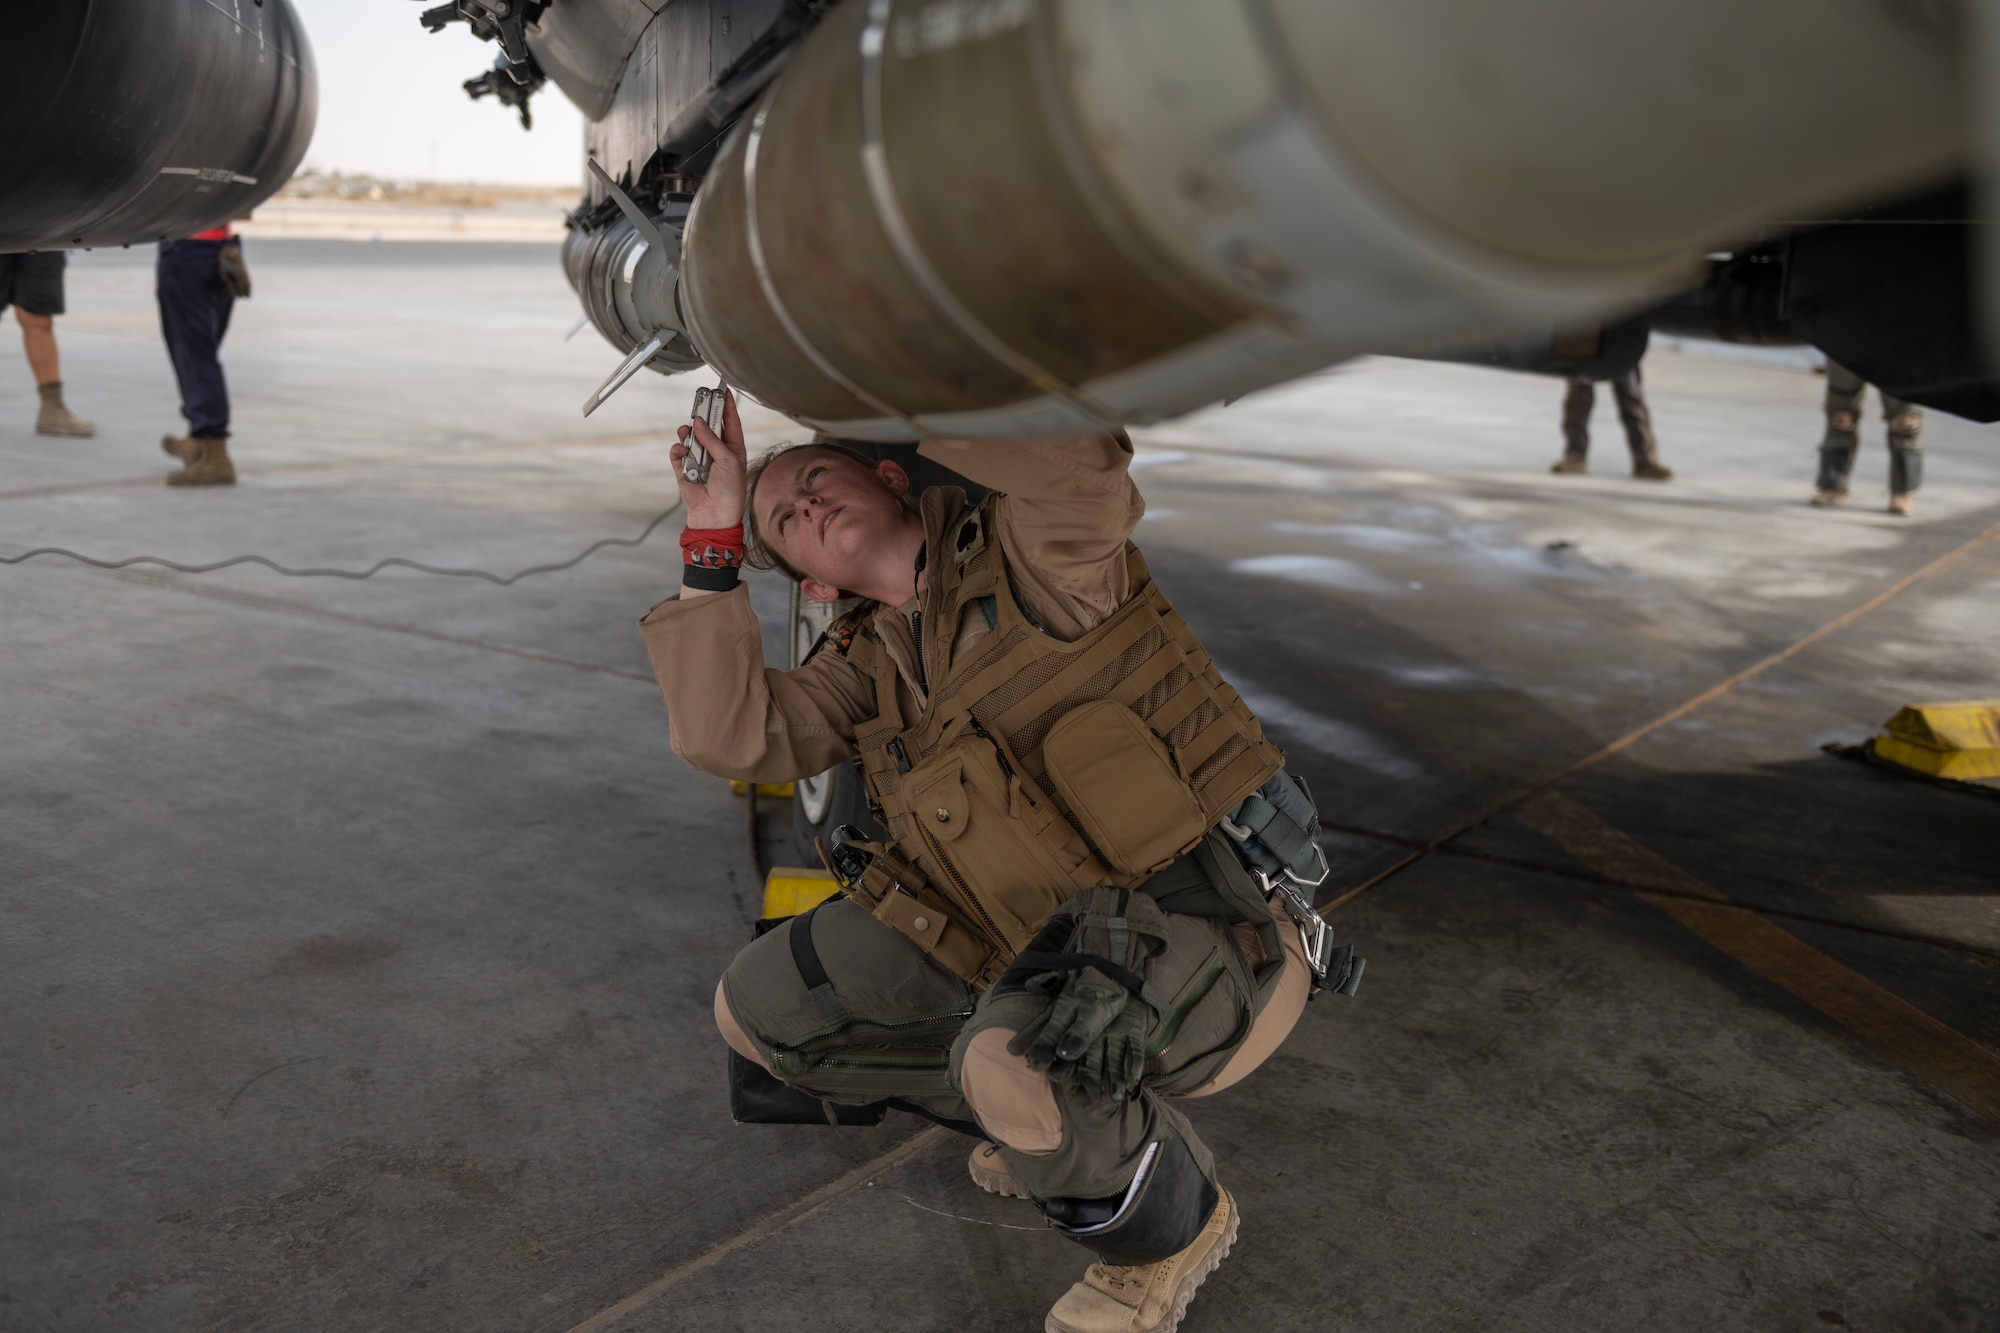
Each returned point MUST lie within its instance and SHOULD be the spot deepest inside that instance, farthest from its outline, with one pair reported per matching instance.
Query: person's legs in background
(194, 315)
(1638, 423)
(34, 284)
(1906, 452)
(1577, 402)
(1836, 451)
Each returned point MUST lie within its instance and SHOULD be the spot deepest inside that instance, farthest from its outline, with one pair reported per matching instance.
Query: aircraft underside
(888, 218)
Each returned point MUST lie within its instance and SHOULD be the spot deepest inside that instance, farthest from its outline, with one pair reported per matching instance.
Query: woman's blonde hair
(758, 553)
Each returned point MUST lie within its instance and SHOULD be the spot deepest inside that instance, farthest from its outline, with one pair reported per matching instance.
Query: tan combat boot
(1902, 505)
(178, 446)
(1827, 499)
(208, 465)
(990, 1173)
(1570, 463)
(56, 419)
(1652, 471)
(1150, 1298)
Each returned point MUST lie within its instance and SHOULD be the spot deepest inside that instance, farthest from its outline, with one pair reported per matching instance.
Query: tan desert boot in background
(207, 464)
(1902, 505)
(178, 446)
(56, 419)
(1569, 465)
(1827, 499)
(990, 1173)
(1150, 1298)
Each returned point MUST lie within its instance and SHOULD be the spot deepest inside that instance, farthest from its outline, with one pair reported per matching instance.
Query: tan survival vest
(1039, 768)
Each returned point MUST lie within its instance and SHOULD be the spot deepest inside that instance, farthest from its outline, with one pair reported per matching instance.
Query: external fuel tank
(1001, 217)
(137, 120)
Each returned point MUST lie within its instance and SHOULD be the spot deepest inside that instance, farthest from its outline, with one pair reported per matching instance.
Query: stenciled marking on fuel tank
(234, 13)
(213, 175)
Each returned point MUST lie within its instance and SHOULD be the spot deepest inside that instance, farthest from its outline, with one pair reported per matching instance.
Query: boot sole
(1189, 1284)
(66, 434)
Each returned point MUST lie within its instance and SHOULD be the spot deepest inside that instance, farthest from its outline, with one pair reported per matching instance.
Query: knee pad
(1159, 1214)
(1016, 1105)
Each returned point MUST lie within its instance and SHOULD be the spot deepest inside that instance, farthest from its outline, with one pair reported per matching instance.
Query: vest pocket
(1210, 1007)
(1123, 786)
(963, 808)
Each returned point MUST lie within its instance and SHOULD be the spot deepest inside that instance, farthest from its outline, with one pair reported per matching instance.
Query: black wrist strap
(708, 579)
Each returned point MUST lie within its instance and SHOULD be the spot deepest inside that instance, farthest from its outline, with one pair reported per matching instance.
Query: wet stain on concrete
(326, 953)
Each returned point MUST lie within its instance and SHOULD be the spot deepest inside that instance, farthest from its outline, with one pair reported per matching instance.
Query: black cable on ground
(395, 560)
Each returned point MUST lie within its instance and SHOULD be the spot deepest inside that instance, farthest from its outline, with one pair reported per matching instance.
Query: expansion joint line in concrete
(796, 1211)
(1940, 1055)
(1945, 1058)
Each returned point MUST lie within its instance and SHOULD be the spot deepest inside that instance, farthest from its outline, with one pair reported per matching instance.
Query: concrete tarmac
(357, 937)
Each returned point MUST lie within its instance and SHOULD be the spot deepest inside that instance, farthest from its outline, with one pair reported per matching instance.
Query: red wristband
(712, 548)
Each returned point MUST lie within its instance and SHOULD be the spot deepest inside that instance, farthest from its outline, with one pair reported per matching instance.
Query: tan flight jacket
(1068, 505)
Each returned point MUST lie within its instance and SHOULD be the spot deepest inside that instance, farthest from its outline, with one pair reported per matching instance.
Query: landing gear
(823, 803)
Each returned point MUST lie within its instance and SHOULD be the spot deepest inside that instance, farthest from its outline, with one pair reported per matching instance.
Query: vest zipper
(964, 889)
(999, 751)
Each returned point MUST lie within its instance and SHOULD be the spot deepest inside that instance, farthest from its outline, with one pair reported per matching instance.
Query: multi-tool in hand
(708, 410)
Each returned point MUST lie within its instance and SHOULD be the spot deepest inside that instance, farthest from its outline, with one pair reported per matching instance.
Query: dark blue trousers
(194, 314)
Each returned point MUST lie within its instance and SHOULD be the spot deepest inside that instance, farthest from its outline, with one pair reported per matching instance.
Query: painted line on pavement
(1941, 1056)
(767, 1228)
(1785, 654)
(1675, 714)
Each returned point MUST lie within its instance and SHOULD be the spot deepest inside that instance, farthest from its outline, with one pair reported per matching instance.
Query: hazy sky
(390, 103)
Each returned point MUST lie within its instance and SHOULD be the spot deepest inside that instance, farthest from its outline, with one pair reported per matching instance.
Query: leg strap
(819, 986)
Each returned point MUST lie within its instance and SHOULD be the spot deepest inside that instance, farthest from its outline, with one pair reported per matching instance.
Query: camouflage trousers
(1844, 392)
(1630, 396)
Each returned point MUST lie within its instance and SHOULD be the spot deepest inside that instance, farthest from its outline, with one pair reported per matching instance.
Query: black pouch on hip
(757, 1098)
